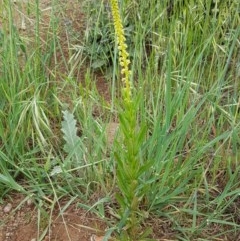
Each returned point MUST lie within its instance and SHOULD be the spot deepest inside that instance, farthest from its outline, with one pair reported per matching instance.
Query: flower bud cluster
(122, 47)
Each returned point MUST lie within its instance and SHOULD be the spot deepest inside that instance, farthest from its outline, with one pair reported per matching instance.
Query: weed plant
(176, 155)
(130, 165)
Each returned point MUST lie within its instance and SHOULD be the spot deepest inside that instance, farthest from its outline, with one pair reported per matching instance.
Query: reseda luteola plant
(129, 162)
(123, 53)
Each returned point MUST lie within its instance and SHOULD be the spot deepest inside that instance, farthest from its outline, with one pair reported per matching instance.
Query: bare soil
(20, 221)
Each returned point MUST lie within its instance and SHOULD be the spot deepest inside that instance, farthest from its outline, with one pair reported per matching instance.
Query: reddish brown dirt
(20, 223)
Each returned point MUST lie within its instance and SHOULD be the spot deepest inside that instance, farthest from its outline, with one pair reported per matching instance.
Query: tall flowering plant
(130, 166)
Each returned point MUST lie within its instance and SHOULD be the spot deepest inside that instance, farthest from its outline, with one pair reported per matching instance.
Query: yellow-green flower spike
(122, 47)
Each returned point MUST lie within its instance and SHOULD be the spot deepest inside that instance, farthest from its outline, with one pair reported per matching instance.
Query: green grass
(186, 69)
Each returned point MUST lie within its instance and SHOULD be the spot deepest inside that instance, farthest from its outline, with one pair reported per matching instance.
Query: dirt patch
(21, 221)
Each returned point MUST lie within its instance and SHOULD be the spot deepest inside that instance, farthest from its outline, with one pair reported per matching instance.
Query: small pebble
(7, 208)
(33, 239)
(8, 234)
(29, 202)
